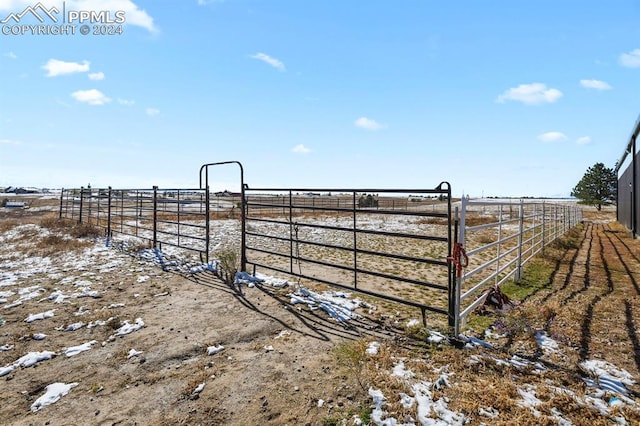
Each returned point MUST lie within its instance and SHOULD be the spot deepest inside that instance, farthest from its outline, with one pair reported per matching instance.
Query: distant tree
(597, 187)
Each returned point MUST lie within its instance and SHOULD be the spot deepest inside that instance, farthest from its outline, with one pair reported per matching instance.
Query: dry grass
(71, 227)
(53, 244)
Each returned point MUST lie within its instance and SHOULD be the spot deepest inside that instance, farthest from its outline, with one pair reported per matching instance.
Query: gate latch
(459, 258)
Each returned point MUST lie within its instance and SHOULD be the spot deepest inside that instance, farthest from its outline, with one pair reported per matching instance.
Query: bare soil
(265, 376)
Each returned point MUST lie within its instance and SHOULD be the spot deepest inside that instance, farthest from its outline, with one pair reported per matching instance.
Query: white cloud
(552, 137)
(631, 59)
(133, 14)
(369, 124)
(9, 142)
(206, 2)
(269, 60)
(595, 84)
(126, 102)
(55, 67)
(530, 94)
(91, 97)
(96, 76)
(11, 55)
(152, 112)
(300, 149)
(583, 140)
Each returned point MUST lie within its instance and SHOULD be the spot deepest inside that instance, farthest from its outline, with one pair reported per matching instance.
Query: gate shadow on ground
(634, 282)
(313, 323)
(631, 331)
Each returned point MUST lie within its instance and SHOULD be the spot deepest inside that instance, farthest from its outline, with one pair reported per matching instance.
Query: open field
(208, 353)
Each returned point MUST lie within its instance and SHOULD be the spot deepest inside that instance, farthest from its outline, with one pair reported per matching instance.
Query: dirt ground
(284, 364)
(263, 376)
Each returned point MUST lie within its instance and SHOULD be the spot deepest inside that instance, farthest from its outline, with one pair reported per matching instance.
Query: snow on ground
(53, 393)
(337, 304)
(429, 411)
(607, 384)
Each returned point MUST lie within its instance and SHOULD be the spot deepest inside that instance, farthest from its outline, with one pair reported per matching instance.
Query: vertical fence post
(243, 218)
(355, 243)
(455, 282)
(520, 232)
(90, 204)
(109, 215)
(499, 246)
(207, 223)
(61, 198)
(544, 222)
(155, 216)
(291, 229)
(81, 201)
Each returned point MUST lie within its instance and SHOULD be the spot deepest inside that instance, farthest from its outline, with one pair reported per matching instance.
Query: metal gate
(393, 244)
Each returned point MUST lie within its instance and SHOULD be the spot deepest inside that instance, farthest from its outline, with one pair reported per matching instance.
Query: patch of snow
(75, 350)
(400, 371)
(336, 304)
(27, 360)
(472, 342)
(128, 328)
(529, 399)
(378, 401)
(53, 393)
(373, 348)
(39, 336)
(273, 281)
(116, 305)
(490, 412)
(198, 389)
(98, 323)
(428, 408)
(133, 353)
(5, 348)
(143, 278)
(608, 376)
(407, 401)
(40, 316)
(73, 327)
(413, 323)
(282, 334)
(435, 337)
(547, 344)
(212, 350)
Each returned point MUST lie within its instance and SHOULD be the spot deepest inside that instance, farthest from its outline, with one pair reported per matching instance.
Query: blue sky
(500, 98)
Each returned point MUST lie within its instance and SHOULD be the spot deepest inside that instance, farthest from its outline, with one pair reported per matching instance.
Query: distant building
(15, 205)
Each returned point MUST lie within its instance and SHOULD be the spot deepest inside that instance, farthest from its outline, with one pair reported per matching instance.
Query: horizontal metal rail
(512, 234)
(355, 232)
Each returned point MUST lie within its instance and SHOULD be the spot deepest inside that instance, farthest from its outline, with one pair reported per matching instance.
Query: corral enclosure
(406, 246)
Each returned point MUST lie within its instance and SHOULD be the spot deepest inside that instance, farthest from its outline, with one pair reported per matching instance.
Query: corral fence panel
(411, 246)
(499, 237)
(393, 244)
(163, 217)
